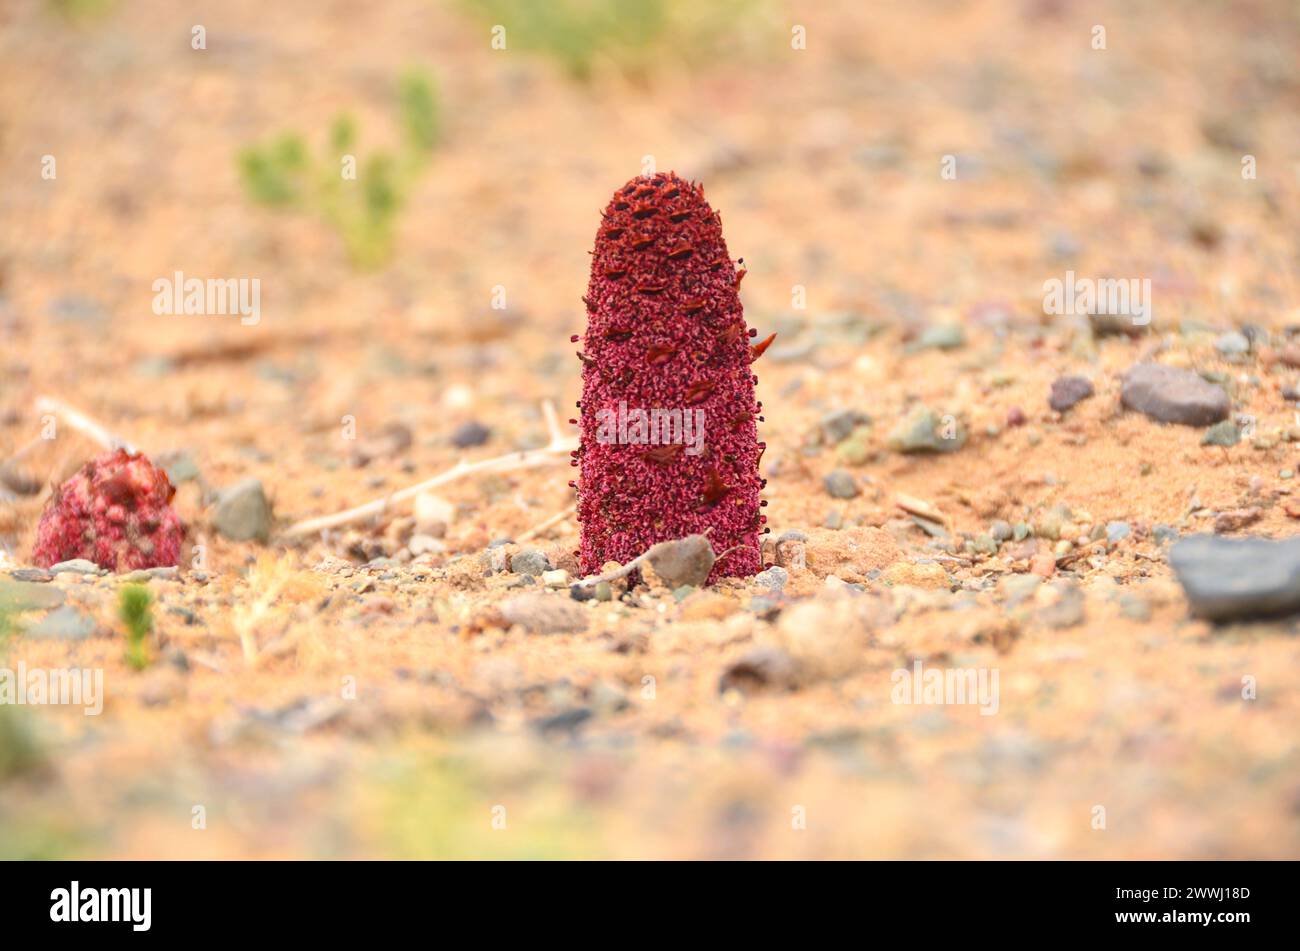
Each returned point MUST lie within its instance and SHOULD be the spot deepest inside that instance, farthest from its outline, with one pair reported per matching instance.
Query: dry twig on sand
(555, 451)
(551, 522)
(82, 423)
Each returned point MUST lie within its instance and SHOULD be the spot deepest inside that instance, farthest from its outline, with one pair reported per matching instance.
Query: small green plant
(20, 751)
(360, 199)
(73, 9)
(135, 608)
(8, 626)
(633, 36)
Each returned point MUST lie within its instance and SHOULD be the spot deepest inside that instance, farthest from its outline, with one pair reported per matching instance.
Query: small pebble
(1225, 433)
(1067, 391)
(840, 484)
(1117, 532)
(470, 434)
(530, 561)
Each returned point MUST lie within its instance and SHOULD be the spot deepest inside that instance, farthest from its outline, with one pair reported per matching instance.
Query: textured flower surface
(116, 511)
(669, 442)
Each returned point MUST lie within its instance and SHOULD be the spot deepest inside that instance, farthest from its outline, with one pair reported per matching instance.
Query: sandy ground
(340, 696)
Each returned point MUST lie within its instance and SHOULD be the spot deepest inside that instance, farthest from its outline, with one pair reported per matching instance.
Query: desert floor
(392, 688)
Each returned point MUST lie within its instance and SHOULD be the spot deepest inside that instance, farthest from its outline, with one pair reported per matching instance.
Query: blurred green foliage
(445, 806)
(135, 608)
(361, 199)
(74, 9)
(19, 750)
(634, 36)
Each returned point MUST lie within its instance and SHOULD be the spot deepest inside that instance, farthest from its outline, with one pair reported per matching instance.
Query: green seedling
(360, 198)
(135, 608)
(633, 37)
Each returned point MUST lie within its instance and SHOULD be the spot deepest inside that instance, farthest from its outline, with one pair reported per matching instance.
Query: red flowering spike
(669, 446)
(116, 511)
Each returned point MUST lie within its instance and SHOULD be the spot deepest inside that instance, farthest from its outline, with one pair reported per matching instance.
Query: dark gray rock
(1172, 395)
(1069, 390)
(1229, 578)
(470, 434)
(63, 624)
(840, 484)
(243, 512)
(530, 561)
(564, 722)
(1164, 534)
(179, 466)
(838, 425)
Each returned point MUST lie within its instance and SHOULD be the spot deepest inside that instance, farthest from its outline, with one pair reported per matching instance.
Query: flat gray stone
(1173, 395)
(19, 596)
(63, 624)
(77, 566)
(1230, 578)
(541, 613)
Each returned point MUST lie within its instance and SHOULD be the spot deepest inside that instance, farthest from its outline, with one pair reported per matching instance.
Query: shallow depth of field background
(482, 172)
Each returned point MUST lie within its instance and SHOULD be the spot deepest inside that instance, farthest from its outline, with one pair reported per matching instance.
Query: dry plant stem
(556, 451)
(554, 520)
(82, 423)
(614, 575)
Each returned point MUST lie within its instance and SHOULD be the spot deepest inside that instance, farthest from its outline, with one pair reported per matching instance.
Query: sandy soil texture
(422, 682)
